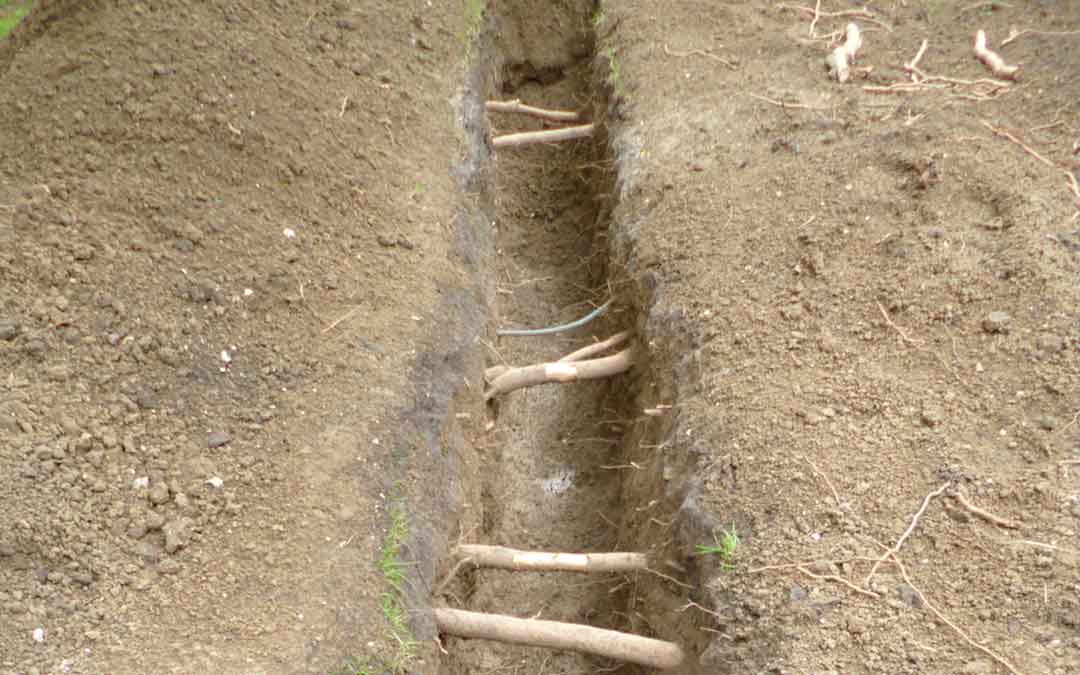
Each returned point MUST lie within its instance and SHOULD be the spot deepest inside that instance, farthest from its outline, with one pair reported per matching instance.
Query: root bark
(558, 635)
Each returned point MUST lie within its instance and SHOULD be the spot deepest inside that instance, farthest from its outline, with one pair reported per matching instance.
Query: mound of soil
(867, 294)
(227, 234)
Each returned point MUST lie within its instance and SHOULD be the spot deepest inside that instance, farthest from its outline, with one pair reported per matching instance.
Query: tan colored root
(585, 352)
(782, 104)
(516, 106)
(546, 136)
(842, 57)
(945, 620)
(992, 60)
(911, 528)
(598, 348)
(962, 500)
(512, 559)
(558, 635)
(543, 373)
(1014, 34)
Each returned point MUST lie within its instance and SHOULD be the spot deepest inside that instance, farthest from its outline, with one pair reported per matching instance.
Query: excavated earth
(253, 261)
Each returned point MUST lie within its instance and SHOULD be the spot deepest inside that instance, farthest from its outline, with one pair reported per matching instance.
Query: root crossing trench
(546, 489)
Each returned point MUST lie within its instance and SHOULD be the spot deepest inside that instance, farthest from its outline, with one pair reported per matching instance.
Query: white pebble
(39, 635)
(215, 482)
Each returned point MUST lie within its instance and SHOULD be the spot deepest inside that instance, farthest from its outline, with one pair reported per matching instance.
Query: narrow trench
(550, 480)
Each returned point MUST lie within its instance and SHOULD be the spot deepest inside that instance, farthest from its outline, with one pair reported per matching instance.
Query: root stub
(512, 559)
(558, 635)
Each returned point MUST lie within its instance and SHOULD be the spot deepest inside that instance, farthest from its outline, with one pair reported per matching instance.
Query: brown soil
(154, 157)
(847, 304)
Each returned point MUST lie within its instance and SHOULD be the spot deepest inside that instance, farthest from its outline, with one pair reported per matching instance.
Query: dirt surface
(253, 255)
(227, 236)
(875, 294)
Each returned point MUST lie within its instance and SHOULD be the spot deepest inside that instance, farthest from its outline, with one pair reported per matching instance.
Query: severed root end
(840, 59)
(991, 60)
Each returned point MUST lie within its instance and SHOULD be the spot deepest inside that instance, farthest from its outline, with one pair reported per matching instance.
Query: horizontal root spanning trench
(557, 635)
(560, 371)
(513, 559)
(547, 136)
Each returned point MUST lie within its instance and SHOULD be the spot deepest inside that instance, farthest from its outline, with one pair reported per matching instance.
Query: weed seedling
(725, 545)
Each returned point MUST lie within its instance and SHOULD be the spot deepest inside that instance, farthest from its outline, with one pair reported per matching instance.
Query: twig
(992, 60)
(559, 635)
(345, 317)
(912, 66)
(543, 373)
(945, 620)
(512, 559)
(985, 515)
(898, 329)
(840, 580)
(598, 347)
(344, 105)
(782, 104)
(691, 603)
(817, 15)
(835, 494)
(516, 106)
(1014, 34)
(1005, 134)
(546, 136)
(552, 330)
(671, 579)
(450, 576)
(911, 528)
(699, 52)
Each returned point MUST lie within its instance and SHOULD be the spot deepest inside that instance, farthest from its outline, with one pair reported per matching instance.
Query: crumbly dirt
(228, 238)
(252, 256)
(876, 295)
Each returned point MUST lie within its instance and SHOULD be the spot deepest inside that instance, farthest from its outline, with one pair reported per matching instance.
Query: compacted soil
(253, 256)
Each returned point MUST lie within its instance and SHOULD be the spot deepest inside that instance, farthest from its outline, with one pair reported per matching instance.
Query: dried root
(991, 60)
(839, 61)
(558, 635)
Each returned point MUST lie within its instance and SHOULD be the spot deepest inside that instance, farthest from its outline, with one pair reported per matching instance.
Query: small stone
(909, 595)
(154, 521)
(1047, 342)
(141, 483)
(168, 566)
(177, 534)
(216, 439)
(997, 322)
(146, 399)
(385, 241)
(137, 529)
(82, 578)
(159, 493)
(1046, 422)
(932, 415)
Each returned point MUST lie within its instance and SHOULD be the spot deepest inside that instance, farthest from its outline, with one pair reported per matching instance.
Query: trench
(560, 466)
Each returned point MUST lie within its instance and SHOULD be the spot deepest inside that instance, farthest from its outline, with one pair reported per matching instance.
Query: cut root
(992, 60)
(840, 60)
(516, 106)
(558, 635)
(511, 379)
(546, 136)
(513, 559)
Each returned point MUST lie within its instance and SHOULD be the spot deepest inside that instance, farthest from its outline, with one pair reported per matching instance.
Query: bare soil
(253, 257)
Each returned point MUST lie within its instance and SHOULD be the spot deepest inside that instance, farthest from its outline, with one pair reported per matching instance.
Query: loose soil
(253, 256)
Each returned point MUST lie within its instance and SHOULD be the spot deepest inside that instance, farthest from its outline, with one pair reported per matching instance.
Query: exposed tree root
(516, 106)
(558, 635)
(546, 136)
(513, 559)
(598, 347)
